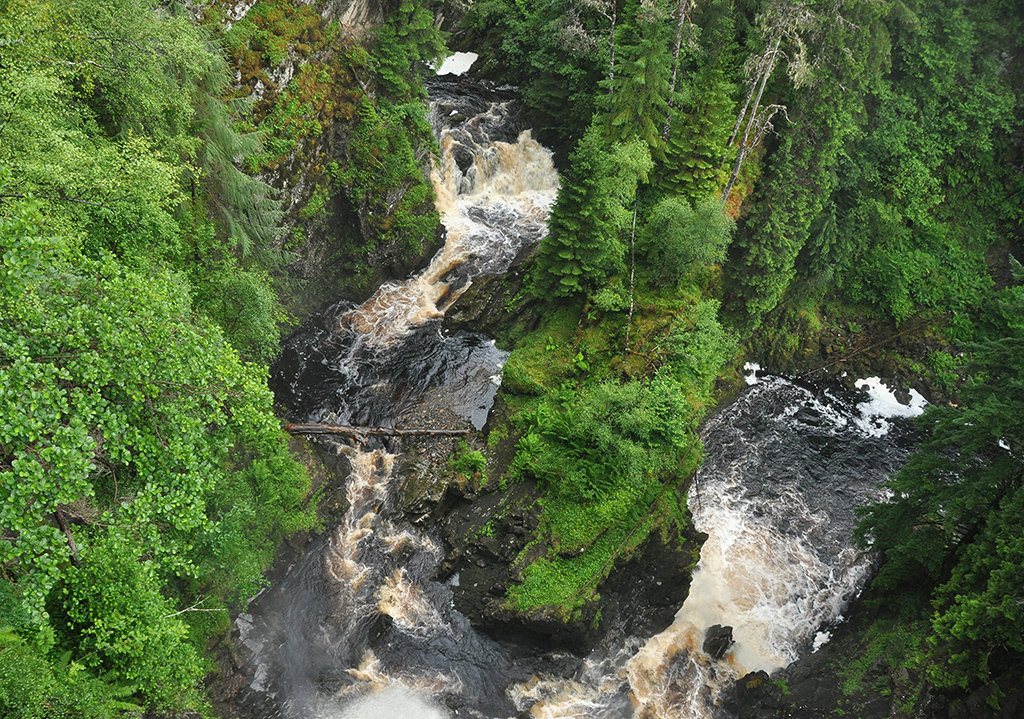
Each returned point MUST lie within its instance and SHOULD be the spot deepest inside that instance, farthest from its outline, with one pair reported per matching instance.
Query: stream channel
(359, 626)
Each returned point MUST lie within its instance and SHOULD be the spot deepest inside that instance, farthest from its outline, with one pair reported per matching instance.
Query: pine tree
(583, 246)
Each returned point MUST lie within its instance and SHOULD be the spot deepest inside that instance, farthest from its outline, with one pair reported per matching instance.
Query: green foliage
(637, 100)
(122, 623)
(895, 644)
(957, 514)
(583, 446)
(555, 51)
(268, 31)
(114, 122)
(466, 460)
(127, 412)
(34, 687)
(245, 306)
(611, 297)
(920, 192)
(823, 114)
(691, 164)
(384, 175)
(583, 245)
(675, 237)
(698, 347)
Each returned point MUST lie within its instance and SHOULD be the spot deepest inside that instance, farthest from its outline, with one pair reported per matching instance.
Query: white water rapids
(357, 627)
(491, 209)
(785, 468)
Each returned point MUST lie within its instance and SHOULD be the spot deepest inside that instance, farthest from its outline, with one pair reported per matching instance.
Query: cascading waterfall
(784, 470)
(365, 365)
(357, 628)
(493, 197)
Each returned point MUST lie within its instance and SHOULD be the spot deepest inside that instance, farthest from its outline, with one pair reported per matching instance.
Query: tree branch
(64, 527)
(360, 433)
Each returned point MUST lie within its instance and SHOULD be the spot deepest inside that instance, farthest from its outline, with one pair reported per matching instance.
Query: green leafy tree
(922, 189)
(128, 414)
(675, 236)
(556, 51)
(613, 436)
(800, 176)
(702, 113)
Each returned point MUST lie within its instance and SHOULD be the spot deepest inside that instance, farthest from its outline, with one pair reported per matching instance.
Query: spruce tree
(583, 245)
(638, 95)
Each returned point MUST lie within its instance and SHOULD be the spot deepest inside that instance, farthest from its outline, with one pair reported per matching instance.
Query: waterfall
(492, 205)
(786, 465)
(357, 627)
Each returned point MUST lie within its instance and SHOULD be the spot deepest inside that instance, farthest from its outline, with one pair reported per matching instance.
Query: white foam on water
(457, 63)
(820, 640)
(393, 702)
(752, 368)
(882, 405)
(500, 203)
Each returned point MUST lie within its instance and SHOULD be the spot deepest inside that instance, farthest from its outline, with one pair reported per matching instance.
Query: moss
(886, 662)
(269, 32)
(541, 359)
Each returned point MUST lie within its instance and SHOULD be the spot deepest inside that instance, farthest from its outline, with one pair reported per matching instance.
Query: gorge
(221, 220)
(363, 625)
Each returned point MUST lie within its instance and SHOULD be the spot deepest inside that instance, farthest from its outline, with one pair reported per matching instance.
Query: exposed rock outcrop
(302, 66)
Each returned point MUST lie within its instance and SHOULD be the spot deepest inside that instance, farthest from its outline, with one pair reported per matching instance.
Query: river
(359, 626)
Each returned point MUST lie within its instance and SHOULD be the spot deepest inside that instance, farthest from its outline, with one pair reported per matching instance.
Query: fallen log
(361, 433)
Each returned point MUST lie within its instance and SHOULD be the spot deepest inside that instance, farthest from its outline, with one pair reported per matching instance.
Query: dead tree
(784, 20)
(361, 433)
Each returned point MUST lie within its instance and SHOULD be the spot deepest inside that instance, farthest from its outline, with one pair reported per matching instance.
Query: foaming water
(366, 365)
(785, 467)
(493, 196)
(357, 627)
(395, 702)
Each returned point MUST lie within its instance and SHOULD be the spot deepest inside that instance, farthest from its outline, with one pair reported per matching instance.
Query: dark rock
(717, 641)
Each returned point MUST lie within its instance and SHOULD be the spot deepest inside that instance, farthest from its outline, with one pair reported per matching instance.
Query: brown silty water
(360, 618)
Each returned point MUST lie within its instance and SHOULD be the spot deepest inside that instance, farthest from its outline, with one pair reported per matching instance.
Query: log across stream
(360, 626)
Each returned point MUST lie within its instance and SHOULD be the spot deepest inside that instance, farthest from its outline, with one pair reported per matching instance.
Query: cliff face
(307, 72)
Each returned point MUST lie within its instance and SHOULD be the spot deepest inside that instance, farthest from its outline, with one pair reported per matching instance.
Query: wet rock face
(498, 305)
(486, 537)
(329, 233)
(643, 594)
(717, 641)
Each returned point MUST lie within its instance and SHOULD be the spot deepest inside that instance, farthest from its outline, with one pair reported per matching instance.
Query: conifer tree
(639, 91)
(583, 245)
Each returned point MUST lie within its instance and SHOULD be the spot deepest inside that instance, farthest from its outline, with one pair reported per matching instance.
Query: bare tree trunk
(762, 127)
(768, 58)
(746, 103)
(64, 527)
(632, 272)
(680, 17)
(611, 47)
(745, 145)
(764, 81)
(360, 433)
